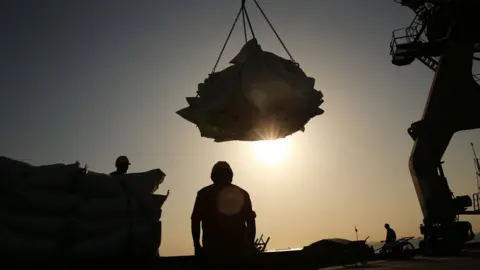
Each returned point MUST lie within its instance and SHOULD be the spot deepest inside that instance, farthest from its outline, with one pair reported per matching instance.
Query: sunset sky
(91, 80)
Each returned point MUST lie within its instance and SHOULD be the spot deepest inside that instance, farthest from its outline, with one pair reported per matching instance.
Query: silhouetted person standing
(122, 163)
(390, 239)
(226, 216)
(391, 235)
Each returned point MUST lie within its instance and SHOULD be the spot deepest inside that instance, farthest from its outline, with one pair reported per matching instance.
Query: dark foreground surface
(466, 260)
(469, 260)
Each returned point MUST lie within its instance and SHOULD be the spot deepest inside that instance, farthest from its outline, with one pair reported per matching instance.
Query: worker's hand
(168, 192)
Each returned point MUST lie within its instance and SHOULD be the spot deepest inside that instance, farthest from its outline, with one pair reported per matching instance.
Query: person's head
(387, 226)
(122, 163)
(221, 173)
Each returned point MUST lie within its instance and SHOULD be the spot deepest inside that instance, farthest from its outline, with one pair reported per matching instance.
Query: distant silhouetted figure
(390, 239)
(391, 235)
(226, 216)
(122, 163)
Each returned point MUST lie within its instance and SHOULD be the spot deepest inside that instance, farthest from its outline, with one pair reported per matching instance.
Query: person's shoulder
(206, 189)
(241, 189)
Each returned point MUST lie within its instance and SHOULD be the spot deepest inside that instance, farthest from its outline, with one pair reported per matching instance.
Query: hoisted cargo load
(261, 96)
(58, 211)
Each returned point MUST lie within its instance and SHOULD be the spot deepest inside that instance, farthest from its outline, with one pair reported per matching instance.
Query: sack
(259, 93)
(14, 244)
(44, 203)
(110, 243)
(249, 50)
(268, 82)
(108, 207)
(96, 227)
(146, 238)
(99, 185)
(12, 170)
(57, 178)
(142, 183)
(147, 206)
(36, 213)
(48, 208)
(32, 224)
(52, 178)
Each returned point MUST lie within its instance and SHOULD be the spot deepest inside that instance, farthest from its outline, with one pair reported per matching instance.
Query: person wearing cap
(224, 212)
(122, 163)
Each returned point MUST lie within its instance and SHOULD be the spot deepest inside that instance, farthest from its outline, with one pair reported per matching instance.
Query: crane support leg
(451, 107)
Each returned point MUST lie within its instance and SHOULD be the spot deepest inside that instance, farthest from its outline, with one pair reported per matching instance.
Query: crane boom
(477, 165)
(442, 37)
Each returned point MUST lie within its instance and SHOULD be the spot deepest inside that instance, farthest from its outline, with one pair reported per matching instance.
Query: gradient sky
(90, 80)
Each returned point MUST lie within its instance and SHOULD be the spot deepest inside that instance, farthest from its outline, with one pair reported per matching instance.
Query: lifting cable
(244, 13)
(244, 26)
(245, 16)
(273, 29)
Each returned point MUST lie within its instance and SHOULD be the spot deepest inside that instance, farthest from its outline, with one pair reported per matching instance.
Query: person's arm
(195, 224)
(250, 216)
(196, 233)
(251, 231)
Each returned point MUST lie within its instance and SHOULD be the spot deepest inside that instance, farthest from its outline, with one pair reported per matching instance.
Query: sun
(271, 151)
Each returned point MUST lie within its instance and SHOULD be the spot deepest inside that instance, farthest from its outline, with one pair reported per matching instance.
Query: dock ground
(468, 260)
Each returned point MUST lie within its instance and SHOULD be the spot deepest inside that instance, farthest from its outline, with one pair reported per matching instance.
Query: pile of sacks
(63, 211)
(260, 97)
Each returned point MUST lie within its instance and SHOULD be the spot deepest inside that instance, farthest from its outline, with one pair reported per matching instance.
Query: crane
(444, 37)
(476, 163)
(476, 196)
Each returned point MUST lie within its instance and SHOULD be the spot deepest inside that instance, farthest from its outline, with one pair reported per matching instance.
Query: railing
(476, 201)
(260, 244)
(420, 2)
(402, 39)
(413, 32)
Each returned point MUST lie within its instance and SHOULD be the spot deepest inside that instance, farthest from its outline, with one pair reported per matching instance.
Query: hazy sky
(90, 80)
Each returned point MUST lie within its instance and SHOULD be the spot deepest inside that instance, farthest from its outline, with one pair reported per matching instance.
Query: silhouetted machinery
(476, 163)
(444, 35)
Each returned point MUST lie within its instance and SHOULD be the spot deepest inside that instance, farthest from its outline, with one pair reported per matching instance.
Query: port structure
(476, 163)
(444, 36)
(405, 39)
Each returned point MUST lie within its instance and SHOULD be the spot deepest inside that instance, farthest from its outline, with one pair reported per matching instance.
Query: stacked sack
(63, 211)
(261, 96)
(34, 209)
